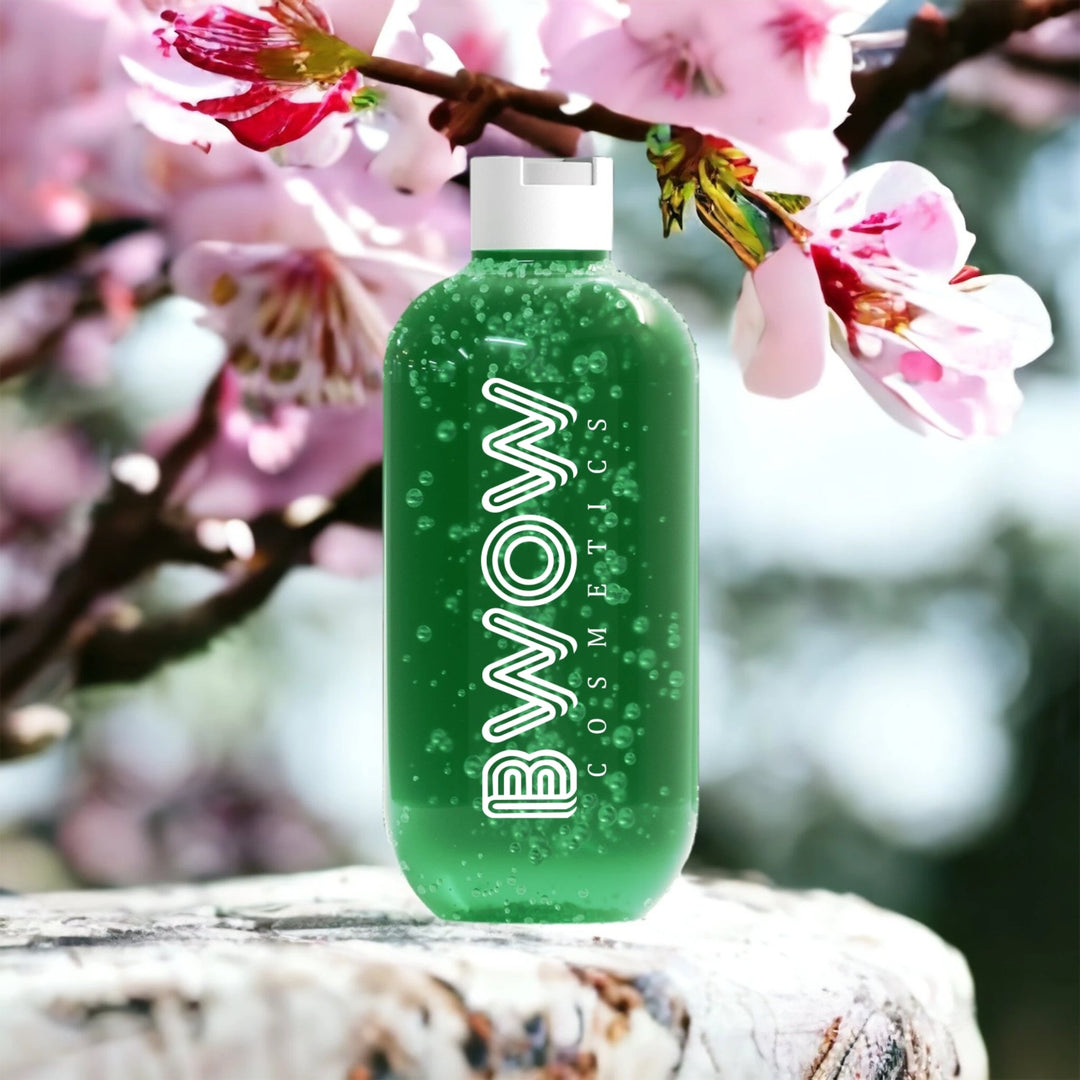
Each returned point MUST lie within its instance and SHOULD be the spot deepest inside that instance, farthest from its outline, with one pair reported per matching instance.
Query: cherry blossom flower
(271, 454)
(305, 330)
(885, 276)
(773, 76)
(302, 326)
(294, 71)
(292, 84)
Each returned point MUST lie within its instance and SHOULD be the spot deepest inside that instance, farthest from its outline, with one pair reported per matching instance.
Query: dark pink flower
(296, 71)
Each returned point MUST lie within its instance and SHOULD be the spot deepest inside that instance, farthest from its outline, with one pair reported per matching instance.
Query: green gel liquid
(573, 328)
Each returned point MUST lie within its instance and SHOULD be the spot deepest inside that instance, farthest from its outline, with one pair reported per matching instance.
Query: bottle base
(525, 914)
(469, 870)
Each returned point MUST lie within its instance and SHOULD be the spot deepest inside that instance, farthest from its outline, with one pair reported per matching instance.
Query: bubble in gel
(439, 741)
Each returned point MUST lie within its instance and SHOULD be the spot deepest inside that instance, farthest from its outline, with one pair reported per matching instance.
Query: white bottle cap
(540, 204)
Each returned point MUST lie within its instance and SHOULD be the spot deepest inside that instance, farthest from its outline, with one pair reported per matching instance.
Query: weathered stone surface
(345, 976)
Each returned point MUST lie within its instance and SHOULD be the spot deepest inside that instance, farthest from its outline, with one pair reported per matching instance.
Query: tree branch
(21, 264)
(125, 655)
(934, 45)
(128, 535)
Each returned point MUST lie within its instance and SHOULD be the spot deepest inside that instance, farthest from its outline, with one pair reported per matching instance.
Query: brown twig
(473, 99)
(934, 45)
(124, 655)
(128, 535)
(559, 140)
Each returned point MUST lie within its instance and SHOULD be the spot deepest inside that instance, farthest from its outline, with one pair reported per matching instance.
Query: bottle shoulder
(524, 296)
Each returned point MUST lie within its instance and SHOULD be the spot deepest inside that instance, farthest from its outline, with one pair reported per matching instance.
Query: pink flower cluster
(304, 205)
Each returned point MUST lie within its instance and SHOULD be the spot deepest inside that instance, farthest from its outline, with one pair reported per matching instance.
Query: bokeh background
(890, 624)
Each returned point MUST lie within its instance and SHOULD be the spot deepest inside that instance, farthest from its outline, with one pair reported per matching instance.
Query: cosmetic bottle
(541, 567)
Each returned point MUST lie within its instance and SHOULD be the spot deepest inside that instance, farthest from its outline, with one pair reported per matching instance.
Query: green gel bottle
(541, 567)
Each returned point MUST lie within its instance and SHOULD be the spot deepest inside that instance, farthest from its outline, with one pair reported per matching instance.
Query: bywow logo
(516, 783)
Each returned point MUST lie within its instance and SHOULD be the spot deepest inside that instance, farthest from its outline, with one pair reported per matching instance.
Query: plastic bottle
(541, 567)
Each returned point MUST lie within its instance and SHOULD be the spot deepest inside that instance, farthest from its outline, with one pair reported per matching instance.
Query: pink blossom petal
(196, 270)
(282, 120)
(984, 325)
(348, 551)
(923, 227)
(416, 158)
(872, 379)
(160, 111)
(45, 472)
(358, 23)
(275, 443)
(1023, 315)
(323, 145)
(86, 350)
(958, 404)
(569, 22)
(780, 331)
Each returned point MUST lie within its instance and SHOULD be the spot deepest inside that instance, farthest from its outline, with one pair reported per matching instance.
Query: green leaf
(791, 203)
